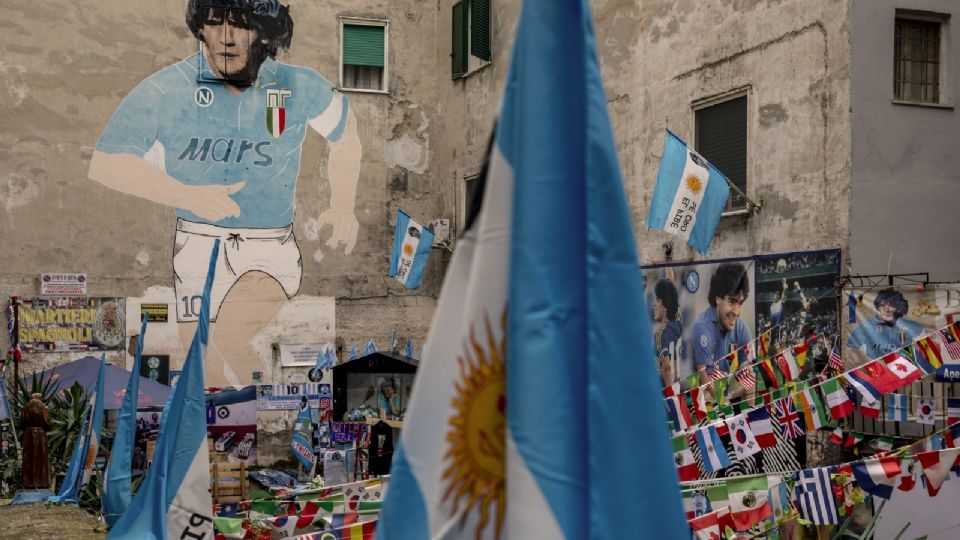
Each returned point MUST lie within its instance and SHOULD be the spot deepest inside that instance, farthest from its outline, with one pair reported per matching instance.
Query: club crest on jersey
(276, 112)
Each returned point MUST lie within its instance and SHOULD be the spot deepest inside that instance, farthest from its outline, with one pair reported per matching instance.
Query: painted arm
(130, 174)
(343, 171)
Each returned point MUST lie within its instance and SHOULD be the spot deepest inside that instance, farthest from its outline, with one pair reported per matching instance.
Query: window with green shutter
(364, 56)
(480, 29)
(721, 137)
(458, 54)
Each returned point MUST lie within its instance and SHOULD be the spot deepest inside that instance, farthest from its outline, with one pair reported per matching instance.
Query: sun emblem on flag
(408, 250)
(476, 444)
(694, 183)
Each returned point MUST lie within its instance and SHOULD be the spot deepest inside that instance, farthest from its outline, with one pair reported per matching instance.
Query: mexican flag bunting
(718, 496)
(884, 444)
(936, 466)
(837, 400)
(836, 437)
(909, 470)
(853, 439)
(814, 415)
(744, 442)
(683, 458)
(902, 368)
(762, 427)
(748, 501)
(706, 527)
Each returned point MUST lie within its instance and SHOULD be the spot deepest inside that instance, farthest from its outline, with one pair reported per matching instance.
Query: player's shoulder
(301, 75)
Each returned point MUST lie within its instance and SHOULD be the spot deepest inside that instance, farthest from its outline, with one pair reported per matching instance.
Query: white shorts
(271, 251)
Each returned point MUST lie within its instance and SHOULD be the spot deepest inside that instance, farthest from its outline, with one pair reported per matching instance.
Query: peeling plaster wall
(906, 187)
(65, 68)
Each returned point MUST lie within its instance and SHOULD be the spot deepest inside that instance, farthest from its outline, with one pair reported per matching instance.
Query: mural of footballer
(218, 137)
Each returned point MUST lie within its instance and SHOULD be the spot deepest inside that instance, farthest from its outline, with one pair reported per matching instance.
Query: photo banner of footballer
(882, 319)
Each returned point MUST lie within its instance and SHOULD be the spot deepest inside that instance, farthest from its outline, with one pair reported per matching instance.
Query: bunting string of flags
(872, 380)
(800, 408)
(819, 495)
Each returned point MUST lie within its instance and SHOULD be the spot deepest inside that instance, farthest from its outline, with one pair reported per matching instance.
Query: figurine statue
(35, 421)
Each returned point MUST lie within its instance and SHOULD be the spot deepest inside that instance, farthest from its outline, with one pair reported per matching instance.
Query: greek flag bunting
(411, 249)
(689, 196)
(554, 242)
(815, 496)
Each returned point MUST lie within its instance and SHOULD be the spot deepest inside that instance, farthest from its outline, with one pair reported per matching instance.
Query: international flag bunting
(733, 360)
(815, 496)
(369, 348)
(800, 351)
(872, 380)
(853, 439)
(229, 528)
(300, 443)
(788, 365)
(814, 415)
(749, 502)
(699, 399)
(678, 413)
(717, 374)
(689, 196)
(953, 436)
(769, 374)
(762, 427)
(781, 501)
(936, 466)
(763, 343)
(835, 362)
(904, 369)
(671, 390)
(898, 406)
(553, 245)
(885, 444)
(870, 409)
(837, 399)
(695, 503)
(714, 455)
(787, 417)
(411, 250)
(746, 378)
(836, 437)
(706, 527)
(953, 410)
(359, 531)
(950, 340)
(909, 470)
(928, 354)
(926, 411)
(683, 459)
(877, 476)
(742, 438)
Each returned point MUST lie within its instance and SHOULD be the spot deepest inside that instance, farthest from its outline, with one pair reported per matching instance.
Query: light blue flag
(174, 499)
(4, 402)
(117, 486)
(689, 196)
(300, 443)
(897, 407)
(353, 353)
(411, 249)
(554, 241)
(408, 348)
(369, 348)
(85, 451)
(325, 358)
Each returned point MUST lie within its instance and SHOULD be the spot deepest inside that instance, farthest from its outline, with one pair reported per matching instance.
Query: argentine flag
(411, 249)
(689, 196)
(510, 438)
(174, 499)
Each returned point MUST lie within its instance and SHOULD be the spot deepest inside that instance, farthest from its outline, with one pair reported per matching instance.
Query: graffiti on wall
(218, 137)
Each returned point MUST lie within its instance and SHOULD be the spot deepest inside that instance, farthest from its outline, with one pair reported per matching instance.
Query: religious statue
(35, 421)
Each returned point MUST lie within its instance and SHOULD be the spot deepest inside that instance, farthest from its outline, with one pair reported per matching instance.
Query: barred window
(916, 61)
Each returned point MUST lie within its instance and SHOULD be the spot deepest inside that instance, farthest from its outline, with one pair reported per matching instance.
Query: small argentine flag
(411, 249)
(689, 196)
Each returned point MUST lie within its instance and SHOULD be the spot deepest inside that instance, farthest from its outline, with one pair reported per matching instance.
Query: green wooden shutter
(721, 137)
(458, 54)
(363, 45)
(480, 29)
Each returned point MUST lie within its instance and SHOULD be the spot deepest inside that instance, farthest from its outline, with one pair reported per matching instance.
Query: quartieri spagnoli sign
(71, 324)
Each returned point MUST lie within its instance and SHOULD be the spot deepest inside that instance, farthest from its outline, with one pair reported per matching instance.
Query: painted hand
(344, 227)
(213, 202)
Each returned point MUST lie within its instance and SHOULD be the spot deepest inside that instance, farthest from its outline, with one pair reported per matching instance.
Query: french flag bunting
(877, 476)
(762, 427)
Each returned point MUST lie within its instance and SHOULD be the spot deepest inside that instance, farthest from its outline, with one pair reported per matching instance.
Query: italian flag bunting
(837, 399)
(748, 501)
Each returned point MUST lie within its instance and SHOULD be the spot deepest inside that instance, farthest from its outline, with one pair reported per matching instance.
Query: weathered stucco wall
(905, 189)
(66, 68)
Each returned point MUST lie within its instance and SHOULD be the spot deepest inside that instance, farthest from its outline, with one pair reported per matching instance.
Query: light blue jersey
(200, 133)
(711, 343)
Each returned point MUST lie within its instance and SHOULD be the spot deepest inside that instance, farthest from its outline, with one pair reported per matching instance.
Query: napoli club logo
(277, 112)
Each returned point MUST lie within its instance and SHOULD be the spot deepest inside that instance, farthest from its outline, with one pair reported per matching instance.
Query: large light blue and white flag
(689, 196)
(523, 449)
(411, 249)
(300, 443)
(174, 499)
(117, 486)
(85, 450)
